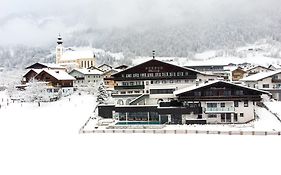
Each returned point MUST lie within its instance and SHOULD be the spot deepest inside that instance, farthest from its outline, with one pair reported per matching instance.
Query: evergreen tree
(102, 95)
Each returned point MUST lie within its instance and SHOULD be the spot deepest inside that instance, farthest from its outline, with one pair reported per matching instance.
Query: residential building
(57, 80)
(152, 82)
(269, 81)
(105, 67)
(85, 77)
(237, 74)
(36, 68)
(256, 69)
(216, 102)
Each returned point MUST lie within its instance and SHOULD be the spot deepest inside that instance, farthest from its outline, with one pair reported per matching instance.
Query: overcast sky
(37, 22)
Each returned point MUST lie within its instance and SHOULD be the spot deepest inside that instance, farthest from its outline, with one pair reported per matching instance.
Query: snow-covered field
(45, 140)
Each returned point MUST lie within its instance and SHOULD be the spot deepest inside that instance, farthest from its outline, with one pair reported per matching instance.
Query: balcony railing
(129, 87)
(220, 110)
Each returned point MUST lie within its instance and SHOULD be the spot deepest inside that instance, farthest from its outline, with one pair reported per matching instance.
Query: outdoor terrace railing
(225, 109)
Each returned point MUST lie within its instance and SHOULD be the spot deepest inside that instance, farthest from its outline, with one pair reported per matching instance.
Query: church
(74, 57)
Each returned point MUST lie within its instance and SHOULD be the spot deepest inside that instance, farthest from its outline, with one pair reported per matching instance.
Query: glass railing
(225, 109)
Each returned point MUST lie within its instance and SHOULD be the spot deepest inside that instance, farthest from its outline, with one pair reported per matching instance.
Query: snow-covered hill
(263, 52)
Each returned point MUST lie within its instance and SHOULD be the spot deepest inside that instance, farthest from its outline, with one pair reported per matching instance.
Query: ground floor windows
(138, 116)
(228, 118)
(241, 114)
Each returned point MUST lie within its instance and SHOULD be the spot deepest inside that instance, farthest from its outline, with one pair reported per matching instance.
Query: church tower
(59, 49)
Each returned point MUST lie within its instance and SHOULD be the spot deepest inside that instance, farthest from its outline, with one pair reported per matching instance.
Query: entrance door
(228, 118)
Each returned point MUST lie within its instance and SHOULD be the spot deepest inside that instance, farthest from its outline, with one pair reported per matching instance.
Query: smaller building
(86, 77)
(29, 75)
(57, 80)
(237, 74)
(51, 66)
(122, 67)
(105, 67)
(256, 69)
(268, 81)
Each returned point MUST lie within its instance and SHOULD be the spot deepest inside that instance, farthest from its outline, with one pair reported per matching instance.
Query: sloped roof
(89, 71)
(161, 62)
(58, 74)
(260, 76)
(46, 65)
(105, 65)
(37, 71)
(191, 88)
(77, 53)
(251, 68)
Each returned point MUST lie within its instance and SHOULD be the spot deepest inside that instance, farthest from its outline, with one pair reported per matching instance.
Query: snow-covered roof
(258, 66)
(190, 88)
(104, 65)
(59, 74)
(89, 71)
(37, 71)
(260, 76)
(48, 65)
(77, 53)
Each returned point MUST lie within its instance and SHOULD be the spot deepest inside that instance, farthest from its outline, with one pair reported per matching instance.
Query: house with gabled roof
(86, 77)
(56, 80)
(45, 66)
(105, 67)
(256, 69)
(153, 81)
(216, 102)
(269, 81)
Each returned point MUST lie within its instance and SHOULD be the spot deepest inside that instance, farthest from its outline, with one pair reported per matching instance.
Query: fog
(36, 23)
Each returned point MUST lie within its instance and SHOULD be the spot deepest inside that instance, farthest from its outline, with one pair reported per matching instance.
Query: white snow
(60, 75)
(89, 71)
(77, 53)
(261, 75)
(44, 140)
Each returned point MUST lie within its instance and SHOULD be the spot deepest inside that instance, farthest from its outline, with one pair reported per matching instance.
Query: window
(222, 105)
(128, 75)
(143, 74)
(136, 75)
(212, 116)
(199, 116)
(236, 103)
(241, 114)
(222, 117)
(246, 103)
(211, 105)
(123, 92)
(235, 117)
(265, 86)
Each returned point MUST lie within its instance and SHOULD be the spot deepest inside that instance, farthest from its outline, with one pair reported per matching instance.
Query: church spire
(59, 41)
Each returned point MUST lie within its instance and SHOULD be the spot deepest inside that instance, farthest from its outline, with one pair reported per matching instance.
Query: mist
(37, 23)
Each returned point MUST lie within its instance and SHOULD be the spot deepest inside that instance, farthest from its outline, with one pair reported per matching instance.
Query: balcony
(129, 87)
(220, 110)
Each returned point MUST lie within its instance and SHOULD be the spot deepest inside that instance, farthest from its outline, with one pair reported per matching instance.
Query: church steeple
(59, 49)
(59, 41)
